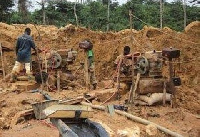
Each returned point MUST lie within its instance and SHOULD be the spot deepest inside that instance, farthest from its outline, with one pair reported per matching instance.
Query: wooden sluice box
(68, 111)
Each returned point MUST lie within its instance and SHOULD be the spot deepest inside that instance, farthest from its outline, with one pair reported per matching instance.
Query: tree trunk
(184, 11)
(75, 13)
(22, 8)
(43, 13)
(108, 15)
(161, 14)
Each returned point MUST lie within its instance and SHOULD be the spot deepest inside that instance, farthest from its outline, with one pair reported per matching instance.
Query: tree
(161, 14)
(108, 15)
(75, 13)
(184, 12)
(23, 6)
(96, 15)
(42, 3)
(5, 8)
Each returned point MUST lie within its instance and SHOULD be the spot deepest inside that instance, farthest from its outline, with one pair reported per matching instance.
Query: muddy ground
(184, 118)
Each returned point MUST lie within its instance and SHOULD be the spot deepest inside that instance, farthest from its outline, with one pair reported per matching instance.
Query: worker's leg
(28, 71)
(93, 80)
(16, 69)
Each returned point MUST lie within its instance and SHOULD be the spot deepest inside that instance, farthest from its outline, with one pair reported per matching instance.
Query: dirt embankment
(108, 45)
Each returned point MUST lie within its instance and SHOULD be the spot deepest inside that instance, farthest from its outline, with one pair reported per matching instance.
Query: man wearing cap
(88, 46)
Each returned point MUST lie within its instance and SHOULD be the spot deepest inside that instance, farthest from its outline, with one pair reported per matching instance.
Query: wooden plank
(70, 114)
(40, 106)
(72, 101)
(25, 85)
(22, 78)
(68, 111)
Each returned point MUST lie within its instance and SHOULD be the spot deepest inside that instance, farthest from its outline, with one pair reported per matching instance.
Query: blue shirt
(23, 48)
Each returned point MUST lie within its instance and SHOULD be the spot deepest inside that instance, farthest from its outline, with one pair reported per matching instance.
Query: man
(88, 46)
(124, 61)
(23, 52)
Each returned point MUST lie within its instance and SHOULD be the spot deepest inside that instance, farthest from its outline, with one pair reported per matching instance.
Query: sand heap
(107, 46)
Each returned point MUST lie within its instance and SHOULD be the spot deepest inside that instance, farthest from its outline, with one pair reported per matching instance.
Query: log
(149, 85)
(136, 119)
(155, 97)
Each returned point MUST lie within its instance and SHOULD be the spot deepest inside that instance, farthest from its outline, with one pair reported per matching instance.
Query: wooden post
(45, 60)
(171, 81)
(58, 81)
(2, 61)
(164, 92)
(118, 79)
(87, 78)
(132, 95)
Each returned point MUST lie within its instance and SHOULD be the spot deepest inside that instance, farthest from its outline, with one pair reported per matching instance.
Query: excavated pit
(107, 46)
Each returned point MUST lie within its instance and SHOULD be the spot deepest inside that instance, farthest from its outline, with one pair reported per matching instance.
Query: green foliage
(5, 9)
(93, 14)
(16, 18)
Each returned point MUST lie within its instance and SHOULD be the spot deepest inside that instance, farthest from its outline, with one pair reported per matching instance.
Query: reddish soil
(183, 119)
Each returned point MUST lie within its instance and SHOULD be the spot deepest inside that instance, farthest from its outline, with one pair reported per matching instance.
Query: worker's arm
(33, 45)
(90, 60)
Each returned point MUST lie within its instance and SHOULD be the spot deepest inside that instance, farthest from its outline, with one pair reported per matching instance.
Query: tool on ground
(2, 61)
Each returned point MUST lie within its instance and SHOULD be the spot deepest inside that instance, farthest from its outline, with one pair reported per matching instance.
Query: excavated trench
(88, 128)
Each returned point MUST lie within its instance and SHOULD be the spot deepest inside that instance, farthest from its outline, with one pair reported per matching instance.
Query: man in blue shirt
(23, 52)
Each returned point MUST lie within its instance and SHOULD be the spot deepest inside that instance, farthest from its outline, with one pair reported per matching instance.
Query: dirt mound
(107, 46)
(193, 27)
